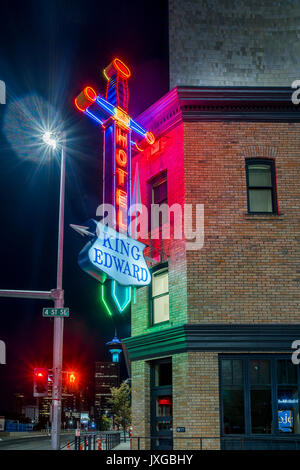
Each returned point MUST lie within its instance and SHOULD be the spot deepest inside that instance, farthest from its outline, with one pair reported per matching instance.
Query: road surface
(32, 443)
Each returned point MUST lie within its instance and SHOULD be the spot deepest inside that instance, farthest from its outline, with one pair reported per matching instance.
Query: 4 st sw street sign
(56, 312)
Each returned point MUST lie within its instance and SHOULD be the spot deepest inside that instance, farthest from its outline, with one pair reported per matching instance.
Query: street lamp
(51, 140)
(20, 138)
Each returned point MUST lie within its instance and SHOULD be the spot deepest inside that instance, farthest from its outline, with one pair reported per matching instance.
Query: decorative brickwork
(140, 403)
(195, 398)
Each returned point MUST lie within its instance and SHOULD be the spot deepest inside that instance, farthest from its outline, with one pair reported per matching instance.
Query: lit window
(160, 296)
(261, 186)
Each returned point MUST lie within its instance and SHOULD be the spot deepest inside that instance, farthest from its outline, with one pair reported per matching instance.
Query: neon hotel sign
(125, 262)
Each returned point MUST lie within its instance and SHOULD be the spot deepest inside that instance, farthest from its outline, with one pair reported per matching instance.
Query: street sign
(55, 312)
(180, 429)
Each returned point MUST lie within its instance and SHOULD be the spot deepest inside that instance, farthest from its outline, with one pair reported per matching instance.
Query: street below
(32, 443)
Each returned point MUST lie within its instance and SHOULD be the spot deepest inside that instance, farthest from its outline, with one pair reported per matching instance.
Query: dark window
(159, 194)
(260, 395)
(286, 372)
(162, 374)
(261, 186)
(233, 396)
(159, 190)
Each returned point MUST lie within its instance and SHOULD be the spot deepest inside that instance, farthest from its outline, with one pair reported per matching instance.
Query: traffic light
(40, 382)
(71, 380)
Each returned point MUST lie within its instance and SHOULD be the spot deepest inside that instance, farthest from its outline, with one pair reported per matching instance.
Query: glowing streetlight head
(49, 139)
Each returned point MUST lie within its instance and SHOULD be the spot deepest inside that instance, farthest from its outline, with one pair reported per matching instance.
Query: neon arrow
(82, 230)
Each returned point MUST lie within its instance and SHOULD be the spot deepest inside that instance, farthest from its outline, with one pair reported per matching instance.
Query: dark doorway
(161, 405)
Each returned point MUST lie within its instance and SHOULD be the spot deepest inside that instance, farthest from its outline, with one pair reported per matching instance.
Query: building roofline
(194, 103)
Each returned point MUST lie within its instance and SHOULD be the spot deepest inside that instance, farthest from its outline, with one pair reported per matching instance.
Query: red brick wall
(248, 270)
(169, 157)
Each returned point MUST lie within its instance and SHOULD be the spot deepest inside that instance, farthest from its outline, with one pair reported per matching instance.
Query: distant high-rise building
(31, 412)
(44, 404)
(107, 375)
(70, 403)
(18, 402)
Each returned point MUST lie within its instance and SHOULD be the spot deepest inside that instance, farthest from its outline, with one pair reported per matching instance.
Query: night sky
(49, 50)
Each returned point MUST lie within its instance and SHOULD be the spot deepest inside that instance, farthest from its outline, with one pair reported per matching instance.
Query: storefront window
(260, 396)
(233, 396)
(288, 401)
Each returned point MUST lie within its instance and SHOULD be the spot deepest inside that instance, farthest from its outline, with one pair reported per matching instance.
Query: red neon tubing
(122, 68)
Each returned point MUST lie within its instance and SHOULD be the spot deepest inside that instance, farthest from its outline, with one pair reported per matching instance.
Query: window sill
(156, 325)
(263, 216)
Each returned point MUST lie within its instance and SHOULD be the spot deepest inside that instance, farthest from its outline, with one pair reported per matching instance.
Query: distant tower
(115, 347)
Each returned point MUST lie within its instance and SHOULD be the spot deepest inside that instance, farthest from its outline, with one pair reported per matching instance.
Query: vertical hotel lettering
(117, 148)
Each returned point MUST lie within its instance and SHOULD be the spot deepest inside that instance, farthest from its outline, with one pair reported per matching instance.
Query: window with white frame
(160, 296)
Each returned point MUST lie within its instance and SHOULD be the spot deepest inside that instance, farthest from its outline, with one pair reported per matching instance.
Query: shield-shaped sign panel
(115, 255)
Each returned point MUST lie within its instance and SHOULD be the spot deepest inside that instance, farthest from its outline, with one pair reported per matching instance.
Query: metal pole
(28, 294)
(58, 322)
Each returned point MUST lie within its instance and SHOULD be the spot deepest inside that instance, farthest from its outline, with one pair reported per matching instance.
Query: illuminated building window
(160, 296)
(259, 395)
(261, 186)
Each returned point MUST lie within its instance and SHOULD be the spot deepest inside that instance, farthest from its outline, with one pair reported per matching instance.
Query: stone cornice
(213, 337)
(192, 104)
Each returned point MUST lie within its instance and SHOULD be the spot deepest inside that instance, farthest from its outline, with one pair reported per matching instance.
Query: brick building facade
(233, 43)
(211, 337)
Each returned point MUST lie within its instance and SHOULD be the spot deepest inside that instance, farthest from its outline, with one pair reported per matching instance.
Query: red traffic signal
(40, 382)
(71, 380)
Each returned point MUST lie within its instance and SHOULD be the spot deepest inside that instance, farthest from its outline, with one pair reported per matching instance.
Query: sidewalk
(23, 435)
(123, 445)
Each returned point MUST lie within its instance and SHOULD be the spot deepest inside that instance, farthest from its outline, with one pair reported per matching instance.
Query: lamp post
(56, 295)
(58, 303)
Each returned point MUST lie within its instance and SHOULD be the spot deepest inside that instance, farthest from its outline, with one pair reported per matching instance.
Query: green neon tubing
(116, 300)
(103, 300)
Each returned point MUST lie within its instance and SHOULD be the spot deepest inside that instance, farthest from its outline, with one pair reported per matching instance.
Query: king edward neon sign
(117, 256)
(112, 254)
